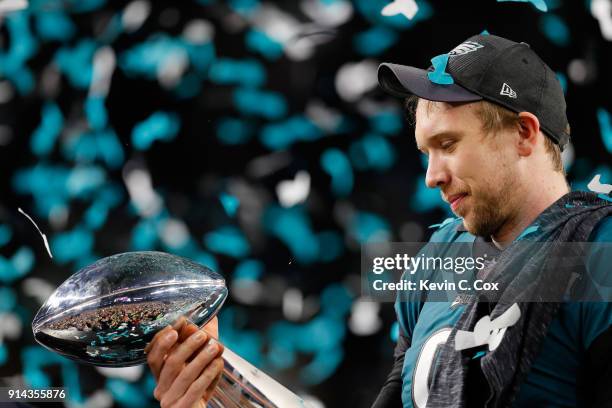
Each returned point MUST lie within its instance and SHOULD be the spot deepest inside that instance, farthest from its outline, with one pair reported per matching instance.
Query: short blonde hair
(495, 118)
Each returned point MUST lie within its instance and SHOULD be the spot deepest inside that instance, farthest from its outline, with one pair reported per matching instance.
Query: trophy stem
(244, 385)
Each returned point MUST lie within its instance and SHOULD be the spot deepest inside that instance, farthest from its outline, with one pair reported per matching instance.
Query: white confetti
(602, 12)
(596, 186)
(44, 237)
(292, 192)
(8, 6)
(408, 8)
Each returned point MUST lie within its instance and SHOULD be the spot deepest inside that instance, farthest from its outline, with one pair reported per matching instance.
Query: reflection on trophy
(106, 314)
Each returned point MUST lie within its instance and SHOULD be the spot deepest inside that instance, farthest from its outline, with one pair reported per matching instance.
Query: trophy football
(106, 313)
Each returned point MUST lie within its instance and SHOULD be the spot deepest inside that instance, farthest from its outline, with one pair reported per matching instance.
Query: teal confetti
(96, 215)
(23, 46)
(85, 6)
(159, 126)
(269, 105)
(201, 56)
(369, 227)
(292, 227)
(439, 75)
(144, 235)
(189, 86)
(54, 25)
(388, 122)
(230, 203)
(3, 354)
(249, 269)
(85, 180)
(281, 357)
(5, 234)
(71, 245)
(373, 152)
(529, 230)
(261, 43)
(8, 299)
(555, 29)
(23, 260)
(281, 135)
(331, 246)
(605, 197)
(44, 137)
(147, 58)
(232, 131)
(126, 394)
(426, 199)
(247, 72)
(96, 112)
(605, 127)
(206, 259)
(322, 366)
(229, 241)
(337, 165)
(375, 41)
(76, 62)
(244, 7)
(109, 148)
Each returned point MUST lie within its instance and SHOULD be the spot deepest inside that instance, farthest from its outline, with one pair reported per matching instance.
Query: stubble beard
(491, 208)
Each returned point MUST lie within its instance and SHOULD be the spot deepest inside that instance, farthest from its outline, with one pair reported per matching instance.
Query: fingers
(190, 373)
(157, 337)
(199, 387)
(158, 348)
(176, 361)
(186, 331)
(211, 388)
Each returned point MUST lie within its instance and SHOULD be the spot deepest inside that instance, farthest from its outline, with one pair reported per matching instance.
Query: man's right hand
(186, 363)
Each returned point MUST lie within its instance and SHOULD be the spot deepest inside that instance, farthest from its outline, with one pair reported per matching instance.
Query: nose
(437, 172)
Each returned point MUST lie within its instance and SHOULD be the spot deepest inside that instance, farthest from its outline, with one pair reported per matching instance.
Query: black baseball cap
(489, 67)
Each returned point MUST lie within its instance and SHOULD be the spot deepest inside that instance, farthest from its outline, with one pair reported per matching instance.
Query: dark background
(337, 348)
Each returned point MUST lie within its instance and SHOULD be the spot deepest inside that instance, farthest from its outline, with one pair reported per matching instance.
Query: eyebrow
(438, 136)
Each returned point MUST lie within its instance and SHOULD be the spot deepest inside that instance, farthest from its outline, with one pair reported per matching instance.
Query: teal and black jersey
(577, 343)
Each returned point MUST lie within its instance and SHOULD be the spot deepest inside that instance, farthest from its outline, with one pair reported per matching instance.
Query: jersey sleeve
(407, 310)
(407, 305)
(596, 373)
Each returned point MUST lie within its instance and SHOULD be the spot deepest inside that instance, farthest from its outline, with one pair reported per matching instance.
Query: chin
(470, 227)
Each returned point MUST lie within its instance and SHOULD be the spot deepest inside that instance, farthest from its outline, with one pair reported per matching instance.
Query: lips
(455, 200)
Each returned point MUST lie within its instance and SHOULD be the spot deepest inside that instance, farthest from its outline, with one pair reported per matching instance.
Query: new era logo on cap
(507, 91)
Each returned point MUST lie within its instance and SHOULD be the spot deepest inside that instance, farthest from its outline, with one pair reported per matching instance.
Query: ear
(529, 128)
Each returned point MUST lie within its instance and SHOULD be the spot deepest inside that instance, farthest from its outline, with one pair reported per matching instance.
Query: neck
(531, 205)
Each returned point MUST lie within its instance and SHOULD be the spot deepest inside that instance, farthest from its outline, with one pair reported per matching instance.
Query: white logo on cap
(464, 48)
(507, 91)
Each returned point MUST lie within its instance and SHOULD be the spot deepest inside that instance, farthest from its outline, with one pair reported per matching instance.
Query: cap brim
(403, 81)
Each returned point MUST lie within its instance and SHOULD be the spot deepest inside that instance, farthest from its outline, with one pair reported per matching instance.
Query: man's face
(476, 173)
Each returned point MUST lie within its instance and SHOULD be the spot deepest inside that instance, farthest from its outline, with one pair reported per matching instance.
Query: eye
(447, 145)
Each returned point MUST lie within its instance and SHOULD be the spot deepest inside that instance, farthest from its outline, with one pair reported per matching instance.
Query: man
(490, 116)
